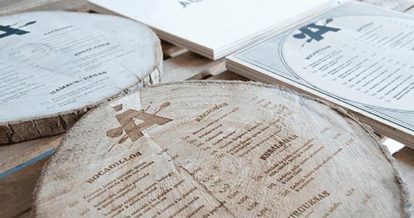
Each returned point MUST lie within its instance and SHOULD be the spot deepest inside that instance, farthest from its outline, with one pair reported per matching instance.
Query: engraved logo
(315, 31)
(9, 30)
(128, 125)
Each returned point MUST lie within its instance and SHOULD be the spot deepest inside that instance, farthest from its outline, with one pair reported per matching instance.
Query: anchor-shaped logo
(130, 128)
(308, 32)
(9, 30)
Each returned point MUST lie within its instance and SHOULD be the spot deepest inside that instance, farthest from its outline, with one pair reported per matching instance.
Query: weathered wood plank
(16, 191)
(16, 157)
(228, 75)
(170, 51)
(191, 66)
(405, 160)
(392, 145)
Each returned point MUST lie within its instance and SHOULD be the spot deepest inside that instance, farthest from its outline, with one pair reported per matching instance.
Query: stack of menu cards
(214, 28)
(357, 56)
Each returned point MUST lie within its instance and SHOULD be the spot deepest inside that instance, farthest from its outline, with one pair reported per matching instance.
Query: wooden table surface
(21, 164)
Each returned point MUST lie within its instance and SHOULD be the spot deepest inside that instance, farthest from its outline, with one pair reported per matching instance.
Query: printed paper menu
(356, 55)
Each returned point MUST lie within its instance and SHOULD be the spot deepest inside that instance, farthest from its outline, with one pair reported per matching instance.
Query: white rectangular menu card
(213, 28)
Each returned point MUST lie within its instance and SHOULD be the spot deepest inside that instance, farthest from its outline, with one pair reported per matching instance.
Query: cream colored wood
(405, 160)
(171, 51)
(220, 149)
(392, 145)
(191, 66)
(15, 156)
(228, 75)
(16, 191)
(54, 66)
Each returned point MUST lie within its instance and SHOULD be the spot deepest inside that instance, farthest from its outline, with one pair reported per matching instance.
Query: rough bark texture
(134, 60)
(220, 149)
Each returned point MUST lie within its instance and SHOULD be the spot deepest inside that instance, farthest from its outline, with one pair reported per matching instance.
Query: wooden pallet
(21, 164)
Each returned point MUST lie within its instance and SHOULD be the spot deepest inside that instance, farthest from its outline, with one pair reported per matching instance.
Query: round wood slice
(219, 149)
(56, 65)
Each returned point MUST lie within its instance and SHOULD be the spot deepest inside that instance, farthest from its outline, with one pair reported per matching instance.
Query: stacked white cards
(214, 28)
(357, 56)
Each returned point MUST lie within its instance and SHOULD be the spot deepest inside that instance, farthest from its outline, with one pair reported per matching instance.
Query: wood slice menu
(219, 149)
(55, 65)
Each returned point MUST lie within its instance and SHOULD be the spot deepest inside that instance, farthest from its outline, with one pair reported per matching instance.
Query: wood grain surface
(16, 190)
(220, 149)
(405, 160)
(191, 66)
(11, 205)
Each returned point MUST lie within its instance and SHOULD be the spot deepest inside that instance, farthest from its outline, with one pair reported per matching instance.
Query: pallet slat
(191, 66)
(16, 157)
(405, 160)
(228, 75)
(16, 191)
(171, 51)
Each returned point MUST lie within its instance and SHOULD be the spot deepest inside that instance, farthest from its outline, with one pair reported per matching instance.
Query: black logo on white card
(315, 31)
(10, 30)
